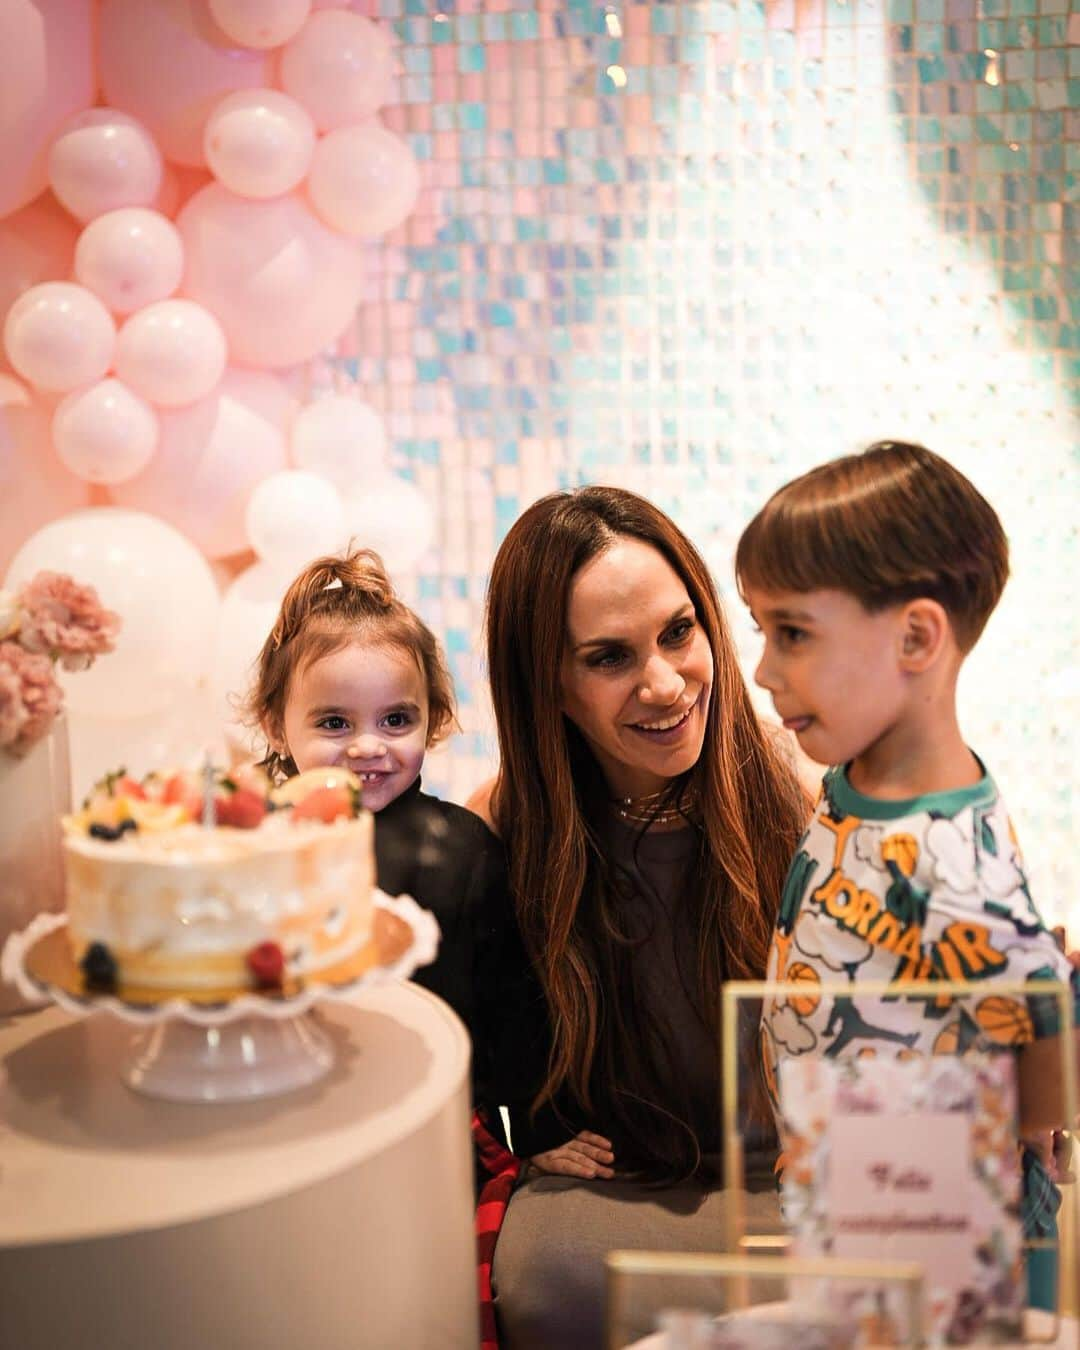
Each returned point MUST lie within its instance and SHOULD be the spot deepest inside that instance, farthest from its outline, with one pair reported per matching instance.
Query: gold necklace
(645, 811)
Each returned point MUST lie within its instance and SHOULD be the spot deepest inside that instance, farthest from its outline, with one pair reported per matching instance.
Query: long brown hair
(550, 797)
(335, 601)
(891, 524)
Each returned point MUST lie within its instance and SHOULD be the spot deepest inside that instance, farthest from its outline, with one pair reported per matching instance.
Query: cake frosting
(157, 898)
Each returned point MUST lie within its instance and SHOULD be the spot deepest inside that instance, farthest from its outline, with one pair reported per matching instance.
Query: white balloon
(160, 586)
(259, 142)
(260, 23)
(166, 738)
(59, 336)
(342, 439)
(102, 160)
(130, 258)
(106, 433)
(293, 517)
(393, 517)
(249, 610)
(364, 180)
(172, 353)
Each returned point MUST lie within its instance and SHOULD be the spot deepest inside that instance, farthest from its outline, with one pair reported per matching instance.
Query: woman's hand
(586, 1155)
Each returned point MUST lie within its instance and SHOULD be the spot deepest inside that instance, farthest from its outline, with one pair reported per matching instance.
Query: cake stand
(224, 1045)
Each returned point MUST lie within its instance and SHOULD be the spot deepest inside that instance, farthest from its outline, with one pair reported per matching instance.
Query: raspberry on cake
(174, 903)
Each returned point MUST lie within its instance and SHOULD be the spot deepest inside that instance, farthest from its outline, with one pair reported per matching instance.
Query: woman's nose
(367, 747)
(662, 684)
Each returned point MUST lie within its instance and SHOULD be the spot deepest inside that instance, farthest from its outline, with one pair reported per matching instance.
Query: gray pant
(549, 1259)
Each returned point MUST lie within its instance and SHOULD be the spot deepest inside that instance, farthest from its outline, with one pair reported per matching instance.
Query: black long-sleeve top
(448, 860)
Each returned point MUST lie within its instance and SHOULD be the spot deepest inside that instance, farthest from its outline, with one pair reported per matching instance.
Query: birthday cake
(167, 892)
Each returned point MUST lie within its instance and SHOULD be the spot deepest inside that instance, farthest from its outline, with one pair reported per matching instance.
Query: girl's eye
(789, 635)
(396, 720)
(333, 723)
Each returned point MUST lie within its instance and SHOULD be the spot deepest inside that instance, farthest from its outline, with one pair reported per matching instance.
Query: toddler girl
(351, 678)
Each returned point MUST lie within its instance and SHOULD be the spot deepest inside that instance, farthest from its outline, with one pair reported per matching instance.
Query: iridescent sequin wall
(694, 248)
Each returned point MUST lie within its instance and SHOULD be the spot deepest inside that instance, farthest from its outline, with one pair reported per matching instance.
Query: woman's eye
(679, 632)
(333, 723)
(606, 659)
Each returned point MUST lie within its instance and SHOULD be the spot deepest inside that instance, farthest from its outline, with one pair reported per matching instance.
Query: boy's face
(834, 671)
(363, 708)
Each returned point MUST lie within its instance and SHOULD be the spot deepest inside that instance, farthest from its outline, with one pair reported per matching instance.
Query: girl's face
(364, 708)
(637, 670)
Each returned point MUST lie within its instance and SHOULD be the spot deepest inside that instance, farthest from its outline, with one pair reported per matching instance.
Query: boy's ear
(924, 634)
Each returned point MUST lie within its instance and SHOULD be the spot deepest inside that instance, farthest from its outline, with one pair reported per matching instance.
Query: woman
(649, 823)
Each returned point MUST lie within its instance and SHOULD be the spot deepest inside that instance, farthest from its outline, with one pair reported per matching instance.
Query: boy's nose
(367, 747)
(765, 675)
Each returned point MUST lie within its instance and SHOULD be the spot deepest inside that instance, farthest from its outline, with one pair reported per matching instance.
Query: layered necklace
(647, 811)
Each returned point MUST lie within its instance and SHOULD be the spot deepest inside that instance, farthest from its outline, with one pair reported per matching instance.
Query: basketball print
(948, 1040)
(801, 973)
(903, 850)
(1004, 1020)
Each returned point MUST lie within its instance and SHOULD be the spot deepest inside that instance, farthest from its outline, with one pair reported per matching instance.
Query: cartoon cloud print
(867, 845)
(950, 844)
(790, 1032)
(837, 948)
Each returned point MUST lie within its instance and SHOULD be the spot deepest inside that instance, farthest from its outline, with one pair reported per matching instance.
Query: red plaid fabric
(501, 1168)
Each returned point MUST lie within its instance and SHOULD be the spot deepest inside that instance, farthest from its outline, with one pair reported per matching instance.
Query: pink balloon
(59, 335)
(282, 285)
(130, 258)
(171, 353)
(36, 244)
(102, 160)
(178, 185)
(364, 180)
(169, 63)
(340, 67)
(34, 486)
(260, 23)
(106, 433)
(259, 142)
(211, 456)
(46, 74)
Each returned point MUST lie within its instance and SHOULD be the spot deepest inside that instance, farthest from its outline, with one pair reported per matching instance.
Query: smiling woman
(648, 822)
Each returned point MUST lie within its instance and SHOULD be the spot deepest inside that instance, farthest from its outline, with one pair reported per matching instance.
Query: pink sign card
(912, 1160)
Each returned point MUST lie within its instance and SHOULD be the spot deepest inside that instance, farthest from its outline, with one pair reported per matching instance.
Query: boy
(871, 578)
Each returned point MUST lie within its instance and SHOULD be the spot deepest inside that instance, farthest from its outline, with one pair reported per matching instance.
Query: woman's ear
(925, 632)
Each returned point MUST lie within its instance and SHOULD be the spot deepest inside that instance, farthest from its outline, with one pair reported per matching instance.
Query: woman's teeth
(665, 725)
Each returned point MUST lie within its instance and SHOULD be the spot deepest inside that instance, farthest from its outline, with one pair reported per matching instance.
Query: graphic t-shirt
(932, 888)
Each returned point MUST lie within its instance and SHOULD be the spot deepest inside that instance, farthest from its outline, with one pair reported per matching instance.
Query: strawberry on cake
(163, 893)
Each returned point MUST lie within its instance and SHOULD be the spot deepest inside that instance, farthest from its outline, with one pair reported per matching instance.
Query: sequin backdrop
(694, 248)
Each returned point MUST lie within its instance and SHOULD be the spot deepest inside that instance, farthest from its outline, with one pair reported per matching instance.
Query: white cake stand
(236, 1046)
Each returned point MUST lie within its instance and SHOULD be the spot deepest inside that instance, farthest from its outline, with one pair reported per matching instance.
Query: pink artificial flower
(39, 695)
(13, 715)
(65, 620)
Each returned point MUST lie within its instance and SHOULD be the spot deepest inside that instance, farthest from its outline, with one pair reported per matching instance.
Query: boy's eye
(790, 636)
(333, 722)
